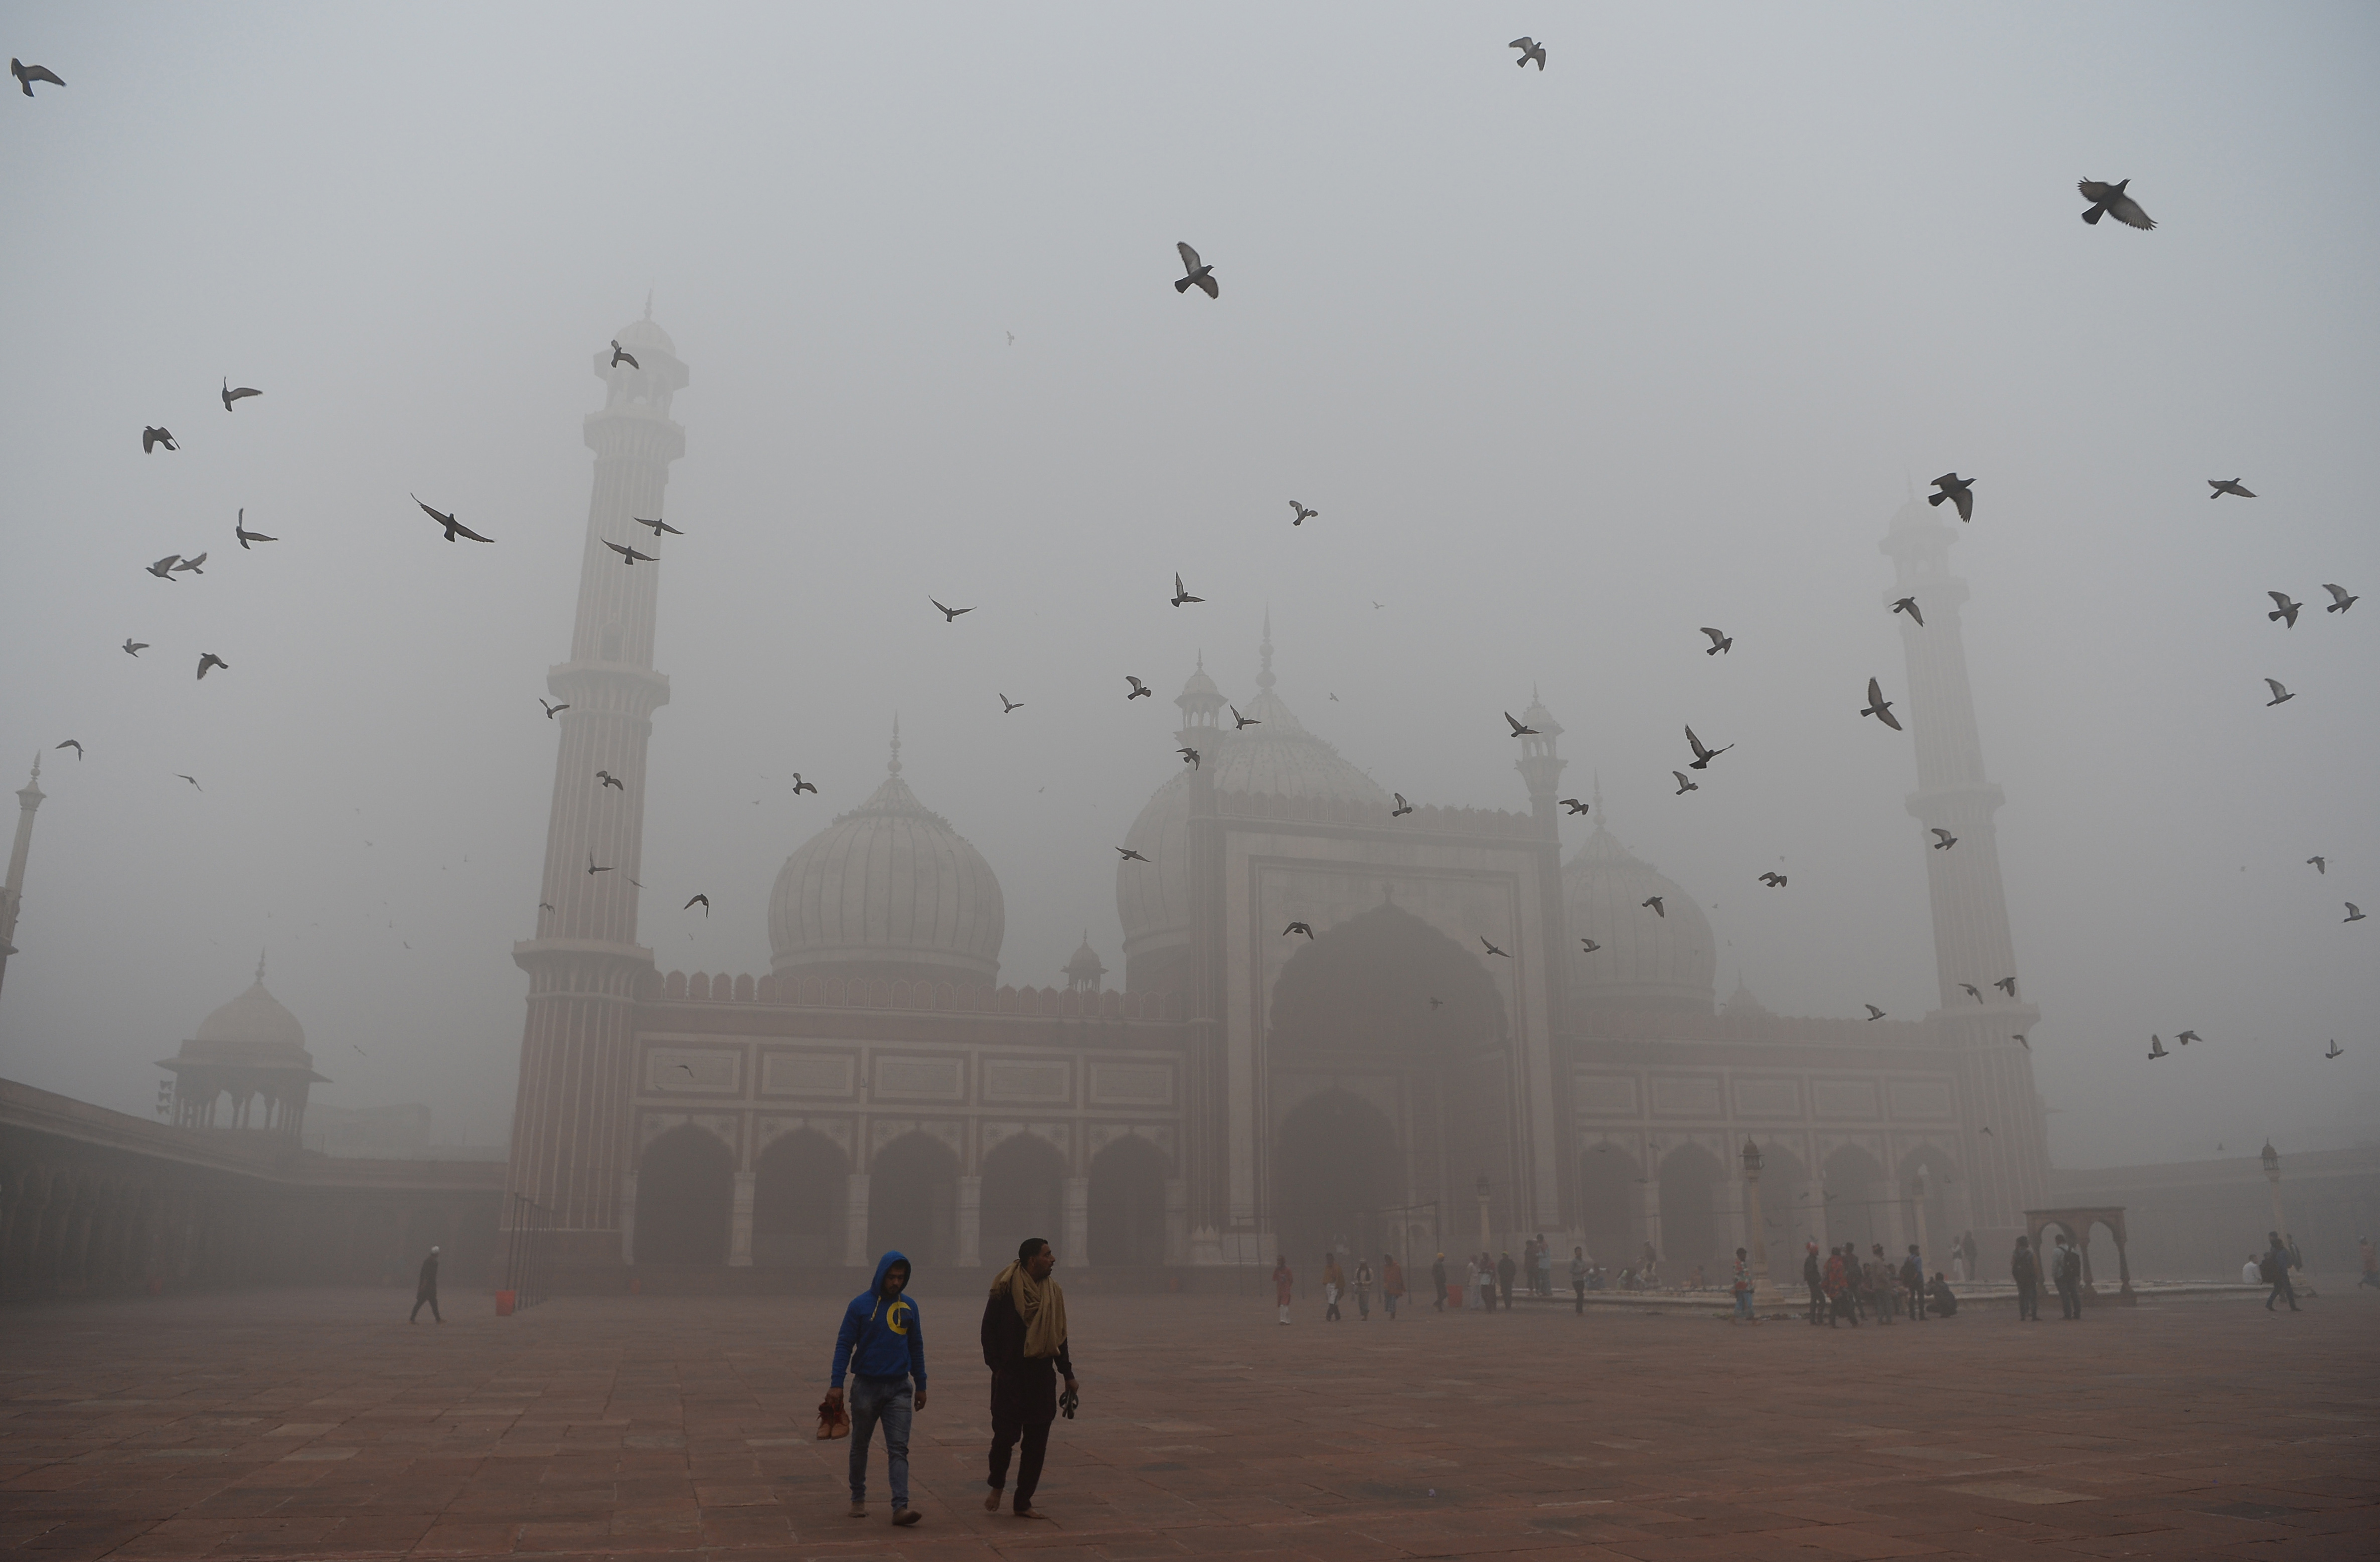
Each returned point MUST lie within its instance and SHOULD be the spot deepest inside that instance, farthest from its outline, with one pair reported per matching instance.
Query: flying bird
(2354, 912)
(1879, 707)
(1303, 515)
(211, 659)
(2006, 985)
(152, 438)
(1140, 689)
(230, 396)
(1520, 731)
(2156, 1048)
(1944, 840)
(2333, 1048)
(2339, 599)
(1239, 721)
(592, 868)
(1530, 50)
(1773, 879)
(74, 744)
(1969, 989)
(1684, 785)
(1201, 275)
(2022, 1042)
(1909, 606)
(1189, 757)
(1490, 948)
(27, 74)
(192, 779)
(1719, 640)
(1403, 807)
(134, 647)
(239, 529)
(1128, 854)
(629, 556)
(702, 900)
(2318, 863)
(621, 355)
(455, 528)
(2228, 485)
(1874, 1013)
(950, 615)
(1588, 946)
(552, 709)
(2283, 607)
(1654, 901)
(658, 524)
(2186, 1038)
(1181, 596)
(608, 779)
(1437, 1003)
(1959, 490)
(2111, 200)
(1574, 805)
(1007, 705)
(1298, 927)
(1703, 756)
(164, 568)
(2279, 693)
(800, 785)
(191, 565)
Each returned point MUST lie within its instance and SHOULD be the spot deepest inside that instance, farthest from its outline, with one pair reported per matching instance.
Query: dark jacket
(2023, 1270)
(2070, 1266)
(1504, 1271)
(428, 1285)
(1025, 1387)
(1811, 1273)
(878, 1340)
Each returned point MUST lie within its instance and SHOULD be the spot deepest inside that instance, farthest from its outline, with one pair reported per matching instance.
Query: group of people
(1337, 1286)
(1844, 1285)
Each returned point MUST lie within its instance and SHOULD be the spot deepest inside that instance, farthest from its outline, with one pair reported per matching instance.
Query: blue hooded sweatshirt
(881, 1341)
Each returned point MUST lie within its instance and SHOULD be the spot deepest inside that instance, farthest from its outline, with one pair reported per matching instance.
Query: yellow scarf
(1040, 1303)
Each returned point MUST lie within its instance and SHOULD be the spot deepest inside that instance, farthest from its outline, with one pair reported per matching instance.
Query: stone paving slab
(317, 1425)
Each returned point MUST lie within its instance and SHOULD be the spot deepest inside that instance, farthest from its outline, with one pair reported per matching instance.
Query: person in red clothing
(1392, 1284)
(1284, 1285)
(1838, 1289)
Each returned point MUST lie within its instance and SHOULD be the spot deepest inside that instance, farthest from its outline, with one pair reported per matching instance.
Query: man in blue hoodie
(883, 1344)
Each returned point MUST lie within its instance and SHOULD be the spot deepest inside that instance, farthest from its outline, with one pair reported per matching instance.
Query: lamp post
(1487, 1237)
(1755, 1232)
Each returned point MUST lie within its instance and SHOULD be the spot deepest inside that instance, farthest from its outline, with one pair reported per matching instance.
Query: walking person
(2067, 1273)
(1438, 1284)
(882, 1346)
(1841, 1263)
(1392, 1285)
(426, 1289)
(1505, 1270)
(1362, 1291)
(1545, 1281)
(2027, 1276)
(1025, 1346)
(1968, 1251)
(2371, 1263)
(1284, 1285)
(1334, 1283)
(2276, 1273)
(1913, 1283)
(1578, 1268)
(1815, 1279)
(1742, 1288)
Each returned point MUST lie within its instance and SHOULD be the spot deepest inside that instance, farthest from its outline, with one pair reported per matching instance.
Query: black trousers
(1007, 1430)
(2283, 1291)
(2028, 1303)
(429, 1299)
(2070, 1301)
(1818, 1303)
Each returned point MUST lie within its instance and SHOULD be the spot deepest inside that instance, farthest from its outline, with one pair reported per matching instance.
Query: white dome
(1648, 963)
(251, 1030)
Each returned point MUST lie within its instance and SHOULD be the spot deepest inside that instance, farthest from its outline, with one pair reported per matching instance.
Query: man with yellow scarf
(1025, 1346)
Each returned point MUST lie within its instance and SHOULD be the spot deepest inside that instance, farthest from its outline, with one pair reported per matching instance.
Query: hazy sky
(1571, 363)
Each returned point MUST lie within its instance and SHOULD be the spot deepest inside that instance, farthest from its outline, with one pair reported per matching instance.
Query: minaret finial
(893, 765)
(37, 764)
(260, 968)
(1264, 652)
(649, 303)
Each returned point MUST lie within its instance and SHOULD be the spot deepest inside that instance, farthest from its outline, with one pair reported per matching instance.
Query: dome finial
(1264, 652)
(893, 765)
(649, 303)
(260, 968)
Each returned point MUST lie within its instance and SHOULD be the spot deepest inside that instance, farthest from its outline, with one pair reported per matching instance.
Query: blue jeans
(885, 1399)
(1743, 1304)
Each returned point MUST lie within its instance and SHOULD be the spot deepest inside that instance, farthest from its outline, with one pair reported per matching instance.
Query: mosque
(1439, 1066)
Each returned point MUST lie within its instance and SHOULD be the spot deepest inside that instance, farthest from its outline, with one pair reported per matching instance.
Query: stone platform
(295, 1424)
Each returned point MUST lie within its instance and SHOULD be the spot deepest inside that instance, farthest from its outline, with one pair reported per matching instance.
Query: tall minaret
(1972, 945)
(12, 894)
(572, 1151)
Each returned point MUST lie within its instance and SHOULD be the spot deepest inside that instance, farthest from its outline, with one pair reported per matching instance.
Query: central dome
(1648, 963)
(887, 891)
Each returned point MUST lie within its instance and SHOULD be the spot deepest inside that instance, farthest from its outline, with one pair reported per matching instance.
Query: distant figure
(2277, 1262)
(2027, 1276)
(1392, 1285)
(1505, 1270)
(426, 1289)
(1743, 1288)
(1913, 1282)
(1694, 1280)
(1284, 1285)
(1438, 1284)
(1363, 1290)
(1545, 1281)
(1025, 1346)
(1970, 1252)
(1486, 1271)
(1647, 1266)
(2252, 1272)
(1334, 1282)
(2068, 1274)
(2370, 1263)
(1815, 1279)
(1944, 1299)
(881, 1345)
(1579, 1266)
(1838, 1282)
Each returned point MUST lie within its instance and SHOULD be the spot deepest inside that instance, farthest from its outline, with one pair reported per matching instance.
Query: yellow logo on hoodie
(896, 1317)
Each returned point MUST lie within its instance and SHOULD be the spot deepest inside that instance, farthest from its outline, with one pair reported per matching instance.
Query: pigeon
(1909, 606)
(2279, 693)
(2022, 1042)
(1007, 705)
(2283, 607)
(1201, 275)
(1303, 515)
(1437, 1003)
(552, 709)
(621, 355)
(608, 779)
(1719, 640)
(1944, 840)
(1588, 946)
(1654, 901)
(2228, 485)
(1703, 756)
(950, 615)
(1490, 948)
(1874, 1013)
(1684, 785)
(1530, 50)
(27, 74)
(1773, 879)
(702, 900)
(2006, 985)
(1130, 855)
(2335, 1049)
(152, 438)
(192, 779)
(134, 647)
(800, 785)
(1969, 989)
(455, 528)
(210, 659)
(2354, 912)
(2156, 1048)
(629, 556)
(1879, 707)
(1012, 338)
(1518, 729)
(2341, 600)
(1181, 596)
(74, 744)
(164, 568)
(1403, 807)
(1189, 757)
(2186, 1038)
(239, 529)
(592, 868)
(1959, 490)
(545, 906)
(1985, 1131)
(191, 565)
(658, 527)
(1574, 805)
(2319, 864)
(1239, 721)
(1298, 927)
(1140, 689)
(230, 396)
(2111, 200)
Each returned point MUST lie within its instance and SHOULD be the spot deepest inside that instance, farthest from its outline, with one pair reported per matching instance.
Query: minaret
(1971, 944)
(571, 1150)
(1206, 1109)
(12, 894)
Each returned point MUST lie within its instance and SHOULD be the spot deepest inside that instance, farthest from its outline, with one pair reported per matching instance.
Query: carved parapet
(838, 992)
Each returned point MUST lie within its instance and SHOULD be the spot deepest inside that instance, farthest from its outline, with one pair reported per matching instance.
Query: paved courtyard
(317, 1425)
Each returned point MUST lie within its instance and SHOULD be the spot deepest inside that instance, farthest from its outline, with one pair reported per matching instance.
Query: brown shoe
(907, 1516)
(859, 1510)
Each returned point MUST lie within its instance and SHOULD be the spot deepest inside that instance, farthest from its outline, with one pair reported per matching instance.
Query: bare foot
(1030, 1513)
(991, 1501)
